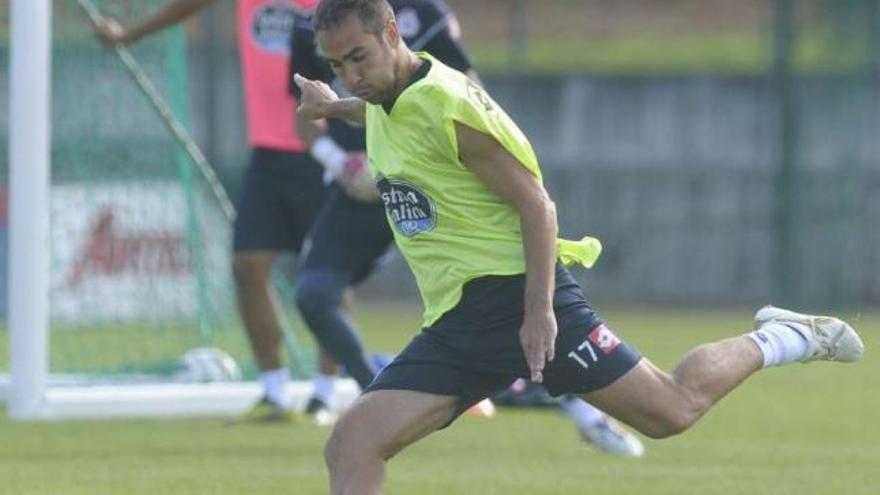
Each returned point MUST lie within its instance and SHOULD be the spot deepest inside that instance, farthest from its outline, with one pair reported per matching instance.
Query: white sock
(781, 343)
(324, 386)
(273, 384)
(583, 414)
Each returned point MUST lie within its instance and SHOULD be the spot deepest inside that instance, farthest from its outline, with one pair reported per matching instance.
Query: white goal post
(29, 149)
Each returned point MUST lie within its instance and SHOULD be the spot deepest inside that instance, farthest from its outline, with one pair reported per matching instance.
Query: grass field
(799, 430)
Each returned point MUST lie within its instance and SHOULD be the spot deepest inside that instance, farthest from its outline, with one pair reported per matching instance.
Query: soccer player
(351, 233)
(462, 191)
(282, 189)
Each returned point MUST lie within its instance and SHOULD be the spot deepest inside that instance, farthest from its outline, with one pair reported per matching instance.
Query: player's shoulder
(445, 74)
(452, 92)
(442, 84)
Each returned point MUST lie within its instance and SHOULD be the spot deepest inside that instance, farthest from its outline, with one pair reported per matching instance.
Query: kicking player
(463, 194)
(351, 233)
(283, 188)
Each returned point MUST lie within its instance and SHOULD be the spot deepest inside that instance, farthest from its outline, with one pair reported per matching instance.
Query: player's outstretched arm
(111, 32)
(318, 101)
(501, 172)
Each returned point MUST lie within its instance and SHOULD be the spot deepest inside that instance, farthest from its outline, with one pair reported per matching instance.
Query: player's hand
(315, 98)
(355, 179)
(110, 32)
(538, 339)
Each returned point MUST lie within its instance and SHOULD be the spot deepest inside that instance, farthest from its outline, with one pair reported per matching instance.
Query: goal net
(139, 246)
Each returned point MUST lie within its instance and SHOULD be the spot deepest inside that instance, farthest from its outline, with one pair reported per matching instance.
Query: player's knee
(347, 445)
(333, 450)
(668, 426)
(673, 421)
(318, 292)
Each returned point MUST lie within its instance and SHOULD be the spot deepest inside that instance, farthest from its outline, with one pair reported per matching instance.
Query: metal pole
(29, 151)
(784, 258)
(160, 105)
(212, 45)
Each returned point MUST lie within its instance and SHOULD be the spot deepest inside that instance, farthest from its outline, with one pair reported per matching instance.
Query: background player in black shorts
(282, 188)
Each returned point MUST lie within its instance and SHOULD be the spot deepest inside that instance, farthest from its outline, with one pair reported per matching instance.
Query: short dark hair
(374, 14)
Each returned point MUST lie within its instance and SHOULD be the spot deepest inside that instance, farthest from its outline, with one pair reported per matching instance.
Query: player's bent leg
(319, 298)
(257, 304)
(379, 425)
(659, 405)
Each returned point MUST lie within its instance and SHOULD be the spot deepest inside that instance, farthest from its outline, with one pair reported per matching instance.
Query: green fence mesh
(140, 250)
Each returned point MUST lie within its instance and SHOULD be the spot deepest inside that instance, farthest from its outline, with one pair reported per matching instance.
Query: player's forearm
(538, 223)
(352, 109)
(168, 15)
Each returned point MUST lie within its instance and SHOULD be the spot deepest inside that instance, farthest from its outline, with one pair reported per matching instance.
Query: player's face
(363, 61)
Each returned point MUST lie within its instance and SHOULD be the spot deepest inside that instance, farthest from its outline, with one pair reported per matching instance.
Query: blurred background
(725, 151)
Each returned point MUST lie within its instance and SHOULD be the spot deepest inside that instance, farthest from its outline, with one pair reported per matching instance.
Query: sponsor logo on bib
(408, 207)
(272, 26)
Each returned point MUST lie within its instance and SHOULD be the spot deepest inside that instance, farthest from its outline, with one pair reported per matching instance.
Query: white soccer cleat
(610, 438)
(830, 339)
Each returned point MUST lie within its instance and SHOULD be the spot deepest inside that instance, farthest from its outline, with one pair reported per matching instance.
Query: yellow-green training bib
(447, 224)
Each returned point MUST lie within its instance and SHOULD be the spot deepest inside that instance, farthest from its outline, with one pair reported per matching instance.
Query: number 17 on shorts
(600, 341)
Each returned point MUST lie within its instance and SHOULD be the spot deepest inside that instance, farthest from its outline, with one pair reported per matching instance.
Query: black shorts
(473, 351)
(281, 195)
(348, 238)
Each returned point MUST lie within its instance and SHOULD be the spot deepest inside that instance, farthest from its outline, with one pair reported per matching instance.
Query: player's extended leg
(660, 405)
(379, 425)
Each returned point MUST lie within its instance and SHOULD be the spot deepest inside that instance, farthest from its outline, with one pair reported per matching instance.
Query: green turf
(799, 430)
